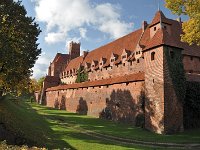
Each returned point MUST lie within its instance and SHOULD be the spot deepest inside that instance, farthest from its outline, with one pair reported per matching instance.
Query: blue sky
(92, 22)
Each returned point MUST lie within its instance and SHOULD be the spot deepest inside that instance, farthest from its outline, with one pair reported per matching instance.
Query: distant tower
(74, 49)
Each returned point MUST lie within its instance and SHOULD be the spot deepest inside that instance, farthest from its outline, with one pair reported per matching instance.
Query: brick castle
(138, 78)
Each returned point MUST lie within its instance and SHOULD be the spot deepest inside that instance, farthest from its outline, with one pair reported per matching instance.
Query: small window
(127, 83)
(191, 71)
(172, 54)
(191, 58)
(123, 64)
(131, 63)
(153, 80)
(152, 56)
(100, 63)
(112, 60)
(117, 104)
(165, 27)
(154, 28)
(124, 56)
(138, 61)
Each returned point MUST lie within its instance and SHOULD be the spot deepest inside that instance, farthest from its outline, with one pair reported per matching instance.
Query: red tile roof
(127, 42)
(61, 58)
(159, 16)
(74, 63)
(115, 80)
(162, 37)
(130, 42)
(51, 79)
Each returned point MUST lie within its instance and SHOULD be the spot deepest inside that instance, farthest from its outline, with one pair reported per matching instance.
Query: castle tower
(164, 79)
(74, 49)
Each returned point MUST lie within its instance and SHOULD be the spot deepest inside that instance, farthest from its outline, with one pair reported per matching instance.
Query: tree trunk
(1, 93)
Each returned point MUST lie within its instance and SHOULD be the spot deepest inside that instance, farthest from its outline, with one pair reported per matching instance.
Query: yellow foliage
(191, 28)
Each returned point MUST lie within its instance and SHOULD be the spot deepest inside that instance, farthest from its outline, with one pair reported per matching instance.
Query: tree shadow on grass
(111, 128)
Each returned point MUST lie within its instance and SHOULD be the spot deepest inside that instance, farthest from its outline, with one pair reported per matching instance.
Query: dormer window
(112, 60)
(124, 56)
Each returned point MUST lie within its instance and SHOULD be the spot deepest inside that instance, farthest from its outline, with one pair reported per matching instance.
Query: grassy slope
(116, 129)
(46, 125)
(42, 131)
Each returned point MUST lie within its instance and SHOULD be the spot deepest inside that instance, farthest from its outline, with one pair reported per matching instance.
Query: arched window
(152, 56)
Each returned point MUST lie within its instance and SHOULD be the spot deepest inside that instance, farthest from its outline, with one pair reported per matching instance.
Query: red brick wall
(117, 70)
(173, 117)
(37, 96)
(163, 109)
(109, 72)
(154, 85)
(121, 99)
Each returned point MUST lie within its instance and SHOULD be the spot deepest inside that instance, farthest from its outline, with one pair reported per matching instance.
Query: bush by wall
(191, 106)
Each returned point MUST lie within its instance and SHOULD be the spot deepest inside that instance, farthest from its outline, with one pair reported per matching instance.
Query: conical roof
(159, 16)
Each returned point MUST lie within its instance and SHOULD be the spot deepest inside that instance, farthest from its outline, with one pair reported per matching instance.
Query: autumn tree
(191, 27)
(40, 82)
(18, 45)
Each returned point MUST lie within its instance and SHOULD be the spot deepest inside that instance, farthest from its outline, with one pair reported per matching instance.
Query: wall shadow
(121, 107)
(153, 120)
(82, 107)
(63, 103)
(56, 103)
(191, 106)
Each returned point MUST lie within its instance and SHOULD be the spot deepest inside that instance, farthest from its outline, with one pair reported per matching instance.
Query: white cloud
(63, 16)
(41, 65)
(114, 28)
(54, 37)
(83, 32)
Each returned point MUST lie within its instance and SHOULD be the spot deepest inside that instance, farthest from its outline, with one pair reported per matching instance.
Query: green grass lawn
(47, 127)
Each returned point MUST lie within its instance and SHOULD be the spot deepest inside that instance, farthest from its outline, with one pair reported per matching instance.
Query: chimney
(85, 53)
(144, 25)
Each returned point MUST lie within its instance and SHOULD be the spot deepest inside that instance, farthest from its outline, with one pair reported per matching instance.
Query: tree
(82, 75)
(18, 44)
(191, 28)
(40, 83)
